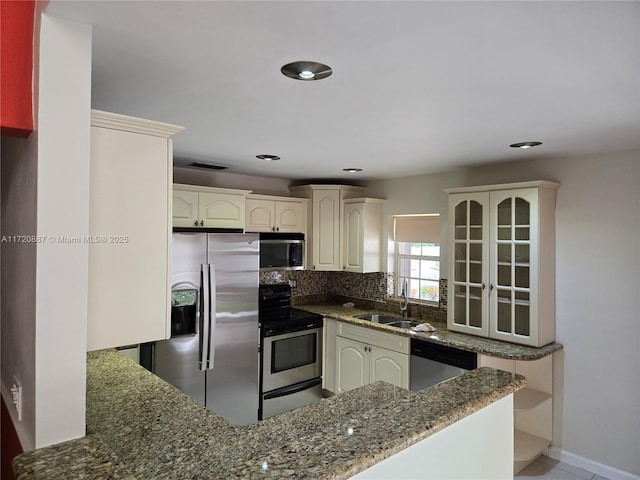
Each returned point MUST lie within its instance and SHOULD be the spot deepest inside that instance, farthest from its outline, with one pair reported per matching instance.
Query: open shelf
(527, 399)
(527, 446)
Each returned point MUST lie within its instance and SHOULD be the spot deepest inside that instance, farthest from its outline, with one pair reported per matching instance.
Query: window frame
(399, 257)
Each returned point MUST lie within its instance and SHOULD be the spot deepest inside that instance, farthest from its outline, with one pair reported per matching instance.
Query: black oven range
(290, 353)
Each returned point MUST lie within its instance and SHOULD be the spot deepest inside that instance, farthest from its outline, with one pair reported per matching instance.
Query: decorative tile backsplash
(378, 286)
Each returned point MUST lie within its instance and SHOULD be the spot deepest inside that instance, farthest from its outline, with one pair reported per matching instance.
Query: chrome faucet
(404, 305)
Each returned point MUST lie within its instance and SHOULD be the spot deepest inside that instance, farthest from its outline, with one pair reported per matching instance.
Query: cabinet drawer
(397, 343)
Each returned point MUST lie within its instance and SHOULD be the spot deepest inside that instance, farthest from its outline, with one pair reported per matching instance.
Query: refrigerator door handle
(206, 302)
(212, 316)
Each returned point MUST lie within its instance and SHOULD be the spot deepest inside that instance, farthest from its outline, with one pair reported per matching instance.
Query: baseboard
(590, 465)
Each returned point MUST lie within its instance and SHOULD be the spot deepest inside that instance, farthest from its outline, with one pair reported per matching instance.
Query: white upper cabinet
(185, 208)
(325, 238)
(276, 214)
(362, 235)
(130, 228)
(208, 207)
(502, 262)
(326, 230)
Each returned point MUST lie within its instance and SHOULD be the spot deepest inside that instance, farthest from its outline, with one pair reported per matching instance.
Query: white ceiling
(417, 86)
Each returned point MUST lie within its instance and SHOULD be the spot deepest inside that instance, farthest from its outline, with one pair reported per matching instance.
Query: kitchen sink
(403, 324)
(386, 319)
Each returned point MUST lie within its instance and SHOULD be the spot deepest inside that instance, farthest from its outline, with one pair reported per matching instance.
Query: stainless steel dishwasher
(432, 363)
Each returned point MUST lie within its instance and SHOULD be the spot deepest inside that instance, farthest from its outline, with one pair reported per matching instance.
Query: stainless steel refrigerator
(212, 355)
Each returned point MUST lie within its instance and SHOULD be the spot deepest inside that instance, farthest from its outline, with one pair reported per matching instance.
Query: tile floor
(545, 468)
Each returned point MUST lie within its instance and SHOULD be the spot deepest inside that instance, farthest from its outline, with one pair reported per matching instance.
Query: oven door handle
(291, 389)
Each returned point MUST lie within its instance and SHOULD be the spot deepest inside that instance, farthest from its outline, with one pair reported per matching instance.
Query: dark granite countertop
(141, 427)
(442, 336)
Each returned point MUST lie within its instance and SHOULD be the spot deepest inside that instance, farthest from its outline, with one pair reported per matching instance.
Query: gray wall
(18, 278)
(597, 376)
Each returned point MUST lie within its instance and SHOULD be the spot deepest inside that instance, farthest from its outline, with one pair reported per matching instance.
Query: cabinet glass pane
(460, 262)
(522, 307)
(522, 253)
(504, 220)
(522, 233)
(475, 252)
(522, 211)
(522, 276)
(504, 233)
(475, 306)
(475, 221)
(504, 311)
(504, 253)
(460, 305)
(460, 222)
(475, 272)
(475, 263)
(504, 212)
(522, 216)
(504, 275)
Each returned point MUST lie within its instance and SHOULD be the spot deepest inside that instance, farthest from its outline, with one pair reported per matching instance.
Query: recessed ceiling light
(268, 158)
(306, 75)
(352, 170)
(525, 144)
(305, 70)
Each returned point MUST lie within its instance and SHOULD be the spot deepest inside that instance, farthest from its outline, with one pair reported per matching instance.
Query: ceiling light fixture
(268, 158)
(352, 170)
(525, 145)
(305, 70)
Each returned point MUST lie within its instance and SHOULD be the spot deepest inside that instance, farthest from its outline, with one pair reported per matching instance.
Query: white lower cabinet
(365, 356)
(532, 406)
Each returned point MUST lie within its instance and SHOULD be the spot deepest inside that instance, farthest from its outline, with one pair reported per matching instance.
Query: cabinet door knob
(483, 286)
(196, 223)
(202, 223)
(277, 229)
(491, 286)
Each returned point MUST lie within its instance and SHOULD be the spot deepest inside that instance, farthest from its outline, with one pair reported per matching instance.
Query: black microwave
(281, 251)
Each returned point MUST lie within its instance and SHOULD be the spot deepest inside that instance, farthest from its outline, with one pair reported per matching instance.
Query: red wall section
(16, 67)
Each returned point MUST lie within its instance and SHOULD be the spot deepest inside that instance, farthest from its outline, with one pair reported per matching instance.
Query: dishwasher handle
(443, 354)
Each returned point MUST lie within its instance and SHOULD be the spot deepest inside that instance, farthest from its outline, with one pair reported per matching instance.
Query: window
(417, 241)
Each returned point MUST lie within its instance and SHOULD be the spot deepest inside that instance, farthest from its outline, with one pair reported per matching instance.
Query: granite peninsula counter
(140, 427)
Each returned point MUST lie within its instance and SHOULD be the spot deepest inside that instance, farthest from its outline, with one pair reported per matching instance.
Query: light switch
(16, 395)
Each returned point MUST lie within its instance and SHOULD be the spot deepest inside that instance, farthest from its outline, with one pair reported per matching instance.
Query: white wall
(45, 192)
(597, 376)
(63, 209)
(262, 185)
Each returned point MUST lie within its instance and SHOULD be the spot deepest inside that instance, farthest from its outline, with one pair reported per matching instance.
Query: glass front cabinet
(502, 262)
